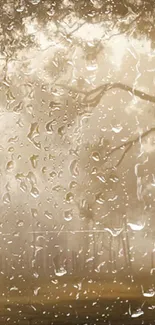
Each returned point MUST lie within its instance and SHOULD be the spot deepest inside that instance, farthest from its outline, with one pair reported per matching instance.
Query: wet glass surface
(77, 109)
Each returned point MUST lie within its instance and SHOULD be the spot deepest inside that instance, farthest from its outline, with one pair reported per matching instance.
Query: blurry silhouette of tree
(125, 14)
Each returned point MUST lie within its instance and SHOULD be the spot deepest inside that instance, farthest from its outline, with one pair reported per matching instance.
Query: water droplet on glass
(52, 174)
(49, 127)
(34, 192)
(36, 275)
(149, 294)
(94, 171)
(48, 215)
(6, 198)
(98, 268)
(117, 129)
(114, 232)
(68, 215)
(10, 149)
(23, 186)
(92, 67)
(74, 168)
(136, 227)
(13, 140)
(29, 109)
(69, 197)
(34, 213)
(36, 291)
(138, 313)
(34, 160)
(20, 223)
(96, 156)
(113, 178)
(33, 133)
(10, 97)
(18, 108)
(20, 176)
(100, 198)
(34, 2)
(72, 184)
(14, 288)
(10, 166)
(31, 178)
(61, 130)
(101, 177)
(60, 272)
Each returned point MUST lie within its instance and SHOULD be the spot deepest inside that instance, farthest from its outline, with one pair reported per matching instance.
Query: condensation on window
(77, 175)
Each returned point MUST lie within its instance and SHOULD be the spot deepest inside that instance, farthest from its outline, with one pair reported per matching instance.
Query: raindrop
(16, 234)
(69, 197)
(34, 160)
(73, 184)
(10, 149)
(10, 166)
(14, 288)
(138, 313)
(37, 249)
(29, 109)
(34, 192)
(20, 7)
(20, 223)
(10, 97)
(23, 186)
(33, 133)
(60, 272)
(97, 4)
(68, 215)
(61, 130)
(34, 130)
(34, 2)
(20, 176)
(101, 177)
(92, 67)
(49, 127)
(53, 174)
(94, 171)
(113, 198)
(31, 178)
(36, 291)
(100, 198)
(99, 267)
(6, 198)
(114, 232)
(54, 106)
(36, 275)
(74, 168)
(13, 140)
(34, 213)
(18, 107)
(117, 129)
(136, 227)
(48, 215)
(113, 178)
(44, 170)
(96, 156)
(148, 294)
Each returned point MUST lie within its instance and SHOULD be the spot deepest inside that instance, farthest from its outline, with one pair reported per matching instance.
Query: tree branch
(127, 145)
(93, 97)
(101, 90)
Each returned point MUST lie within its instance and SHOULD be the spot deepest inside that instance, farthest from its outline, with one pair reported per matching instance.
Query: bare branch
(127, 146)
(93, 97)
(101, 90)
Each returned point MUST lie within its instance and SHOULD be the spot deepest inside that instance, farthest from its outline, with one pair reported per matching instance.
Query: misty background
(77, 161)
